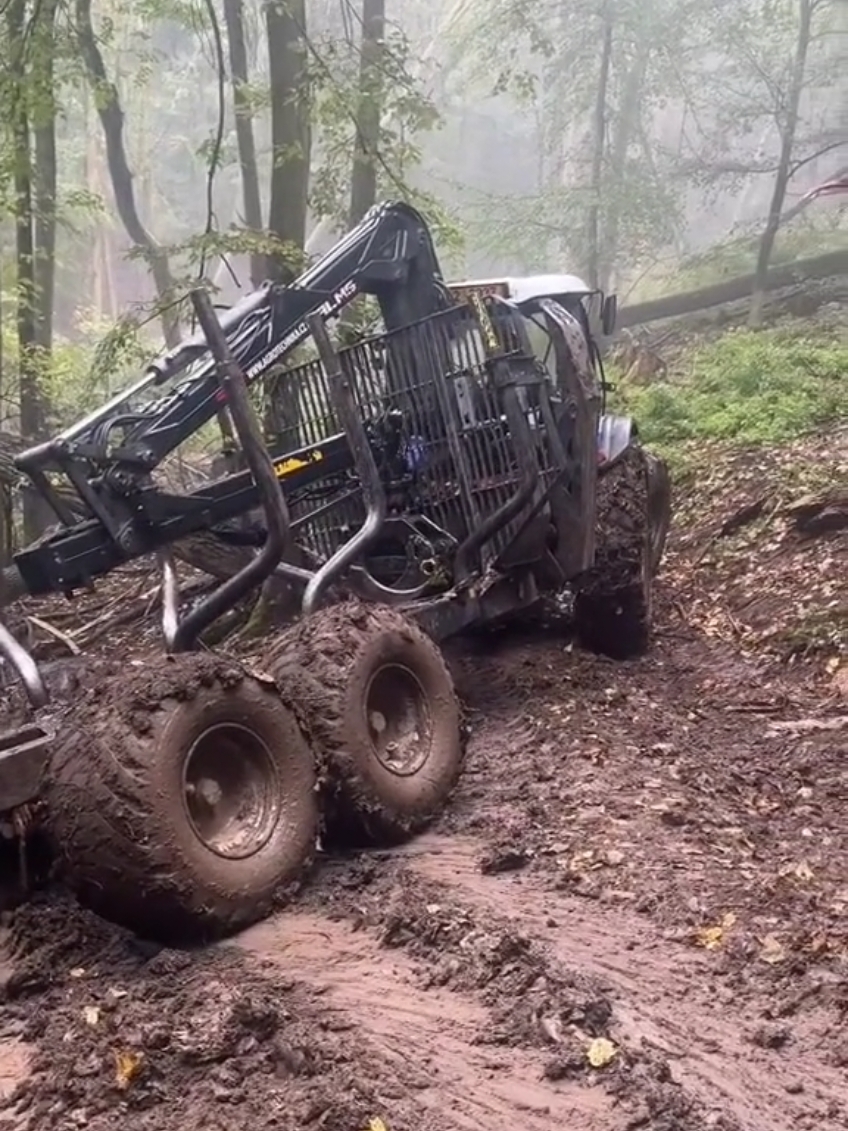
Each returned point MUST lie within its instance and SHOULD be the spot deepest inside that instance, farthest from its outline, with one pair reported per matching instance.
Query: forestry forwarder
(448, 472)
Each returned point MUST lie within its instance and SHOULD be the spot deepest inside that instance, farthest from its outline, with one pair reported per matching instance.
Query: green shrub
(749, 387)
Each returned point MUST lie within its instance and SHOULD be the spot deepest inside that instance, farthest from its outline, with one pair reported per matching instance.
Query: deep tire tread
(105, 815)
(612, 604)
(314, 661)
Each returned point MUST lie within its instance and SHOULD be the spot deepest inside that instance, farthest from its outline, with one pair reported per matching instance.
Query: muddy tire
(613, 602)
(182, 799)
(378, 704)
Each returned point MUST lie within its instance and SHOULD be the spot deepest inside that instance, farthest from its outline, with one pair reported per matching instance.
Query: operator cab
(532, 294)
(559, 314)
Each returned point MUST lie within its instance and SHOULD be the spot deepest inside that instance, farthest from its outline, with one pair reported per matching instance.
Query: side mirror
(609, 315)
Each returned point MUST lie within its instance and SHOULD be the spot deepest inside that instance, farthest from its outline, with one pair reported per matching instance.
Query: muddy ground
(634, 915)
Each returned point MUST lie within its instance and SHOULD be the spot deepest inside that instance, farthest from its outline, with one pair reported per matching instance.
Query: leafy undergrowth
(750, 387)
(761, 552)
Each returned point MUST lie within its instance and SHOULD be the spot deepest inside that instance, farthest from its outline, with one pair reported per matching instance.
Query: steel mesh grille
(436, 376)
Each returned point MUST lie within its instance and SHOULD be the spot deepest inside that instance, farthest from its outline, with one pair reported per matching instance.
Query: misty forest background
(653, 146)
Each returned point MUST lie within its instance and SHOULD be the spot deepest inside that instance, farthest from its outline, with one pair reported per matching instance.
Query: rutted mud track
(642, 853)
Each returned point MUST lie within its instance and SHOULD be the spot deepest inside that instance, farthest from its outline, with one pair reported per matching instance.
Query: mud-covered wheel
(182, 799)
(378, 703)
(613, 603)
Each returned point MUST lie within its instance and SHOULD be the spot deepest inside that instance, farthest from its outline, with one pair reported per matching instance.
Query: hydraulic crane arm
(389, 254)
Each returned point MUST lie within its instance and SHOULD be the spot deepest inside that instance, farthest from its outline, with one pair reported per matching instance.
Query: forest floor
(633, 915)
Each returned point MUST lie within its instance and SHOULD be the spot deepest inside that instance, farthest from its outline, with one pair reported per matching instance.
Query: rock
(770, 1036)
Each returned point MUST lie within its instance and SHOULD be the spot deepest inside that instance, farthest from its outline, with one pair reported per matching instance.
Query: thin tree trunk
(363, 184)
(44, 181)
(788, 130)
(291, 148)
(629, 118)
(599, 133)
(33, 412)
(290, 132)
(112, 120)
(234, 17)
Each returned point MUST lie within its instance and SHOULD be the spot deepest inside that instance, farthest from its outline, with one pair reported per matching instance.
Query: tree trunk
(627, 126)
(788, 128)
(112, 120)
(599, 134)
(290, 132)
(234, 17)
(291, 147)
(44, 182)
(33, 409)
(363, 184)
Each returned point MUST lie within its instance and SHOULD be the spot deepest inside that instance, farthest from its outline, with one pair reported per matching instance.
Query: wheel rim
(399, 720)
(230, 791)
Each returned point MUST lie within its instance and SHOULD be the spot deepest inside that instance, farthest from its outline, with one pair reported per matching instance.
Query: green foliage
(407, 115)
(82, 374)
(549, 63)
(748, 387)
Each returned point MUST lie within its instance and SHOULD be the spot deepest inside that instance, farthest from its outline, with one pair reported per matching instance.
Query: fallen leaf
(711, 938)
(600, 1052)
(91, 1014)
(78, 972)
(127, 1067)
(772, 951)
(376, 1124)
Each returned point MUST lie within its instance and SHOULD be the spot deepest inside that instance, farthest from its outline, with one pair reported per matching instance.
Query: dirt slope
(644, 866)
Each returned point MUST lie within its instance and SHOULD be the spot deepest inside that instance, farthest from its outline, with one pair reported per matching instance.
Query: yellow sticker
(289, 466)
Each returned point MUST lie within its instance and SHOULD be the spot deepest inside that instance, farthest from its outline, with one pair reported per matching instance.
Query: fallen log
(815, 515)
(826, 266)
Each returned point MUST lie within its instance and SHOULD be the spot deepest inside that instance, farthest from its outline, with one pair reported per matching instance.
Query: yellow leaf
(127, 1067)
(376, 1124)
(711, 938)
(600, 1052)
(91, 1014)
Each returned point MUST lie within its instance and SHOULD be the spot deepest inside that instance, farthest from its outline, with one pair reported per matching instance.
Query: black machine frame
(111, 510)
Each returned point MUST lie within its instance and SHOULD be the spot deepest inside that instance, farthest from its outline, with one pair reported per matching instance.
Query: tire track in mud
(121, 1035)
(15, 1054)
(658, 999)
(464, 1085)
(667, 1002)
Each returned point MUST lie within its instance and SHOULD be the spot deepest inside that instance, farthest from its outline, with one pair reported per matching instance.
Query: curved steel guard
(372, 489)
(25, 666)
(234, 389)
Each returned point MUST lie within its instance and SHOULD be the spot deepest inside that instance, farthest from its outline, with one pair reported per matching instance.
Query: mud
(643, 860)
(127, 1034)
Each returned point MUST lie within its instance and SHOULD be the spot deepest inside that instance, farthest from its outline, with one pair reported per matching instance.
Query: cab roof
(525, 288)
